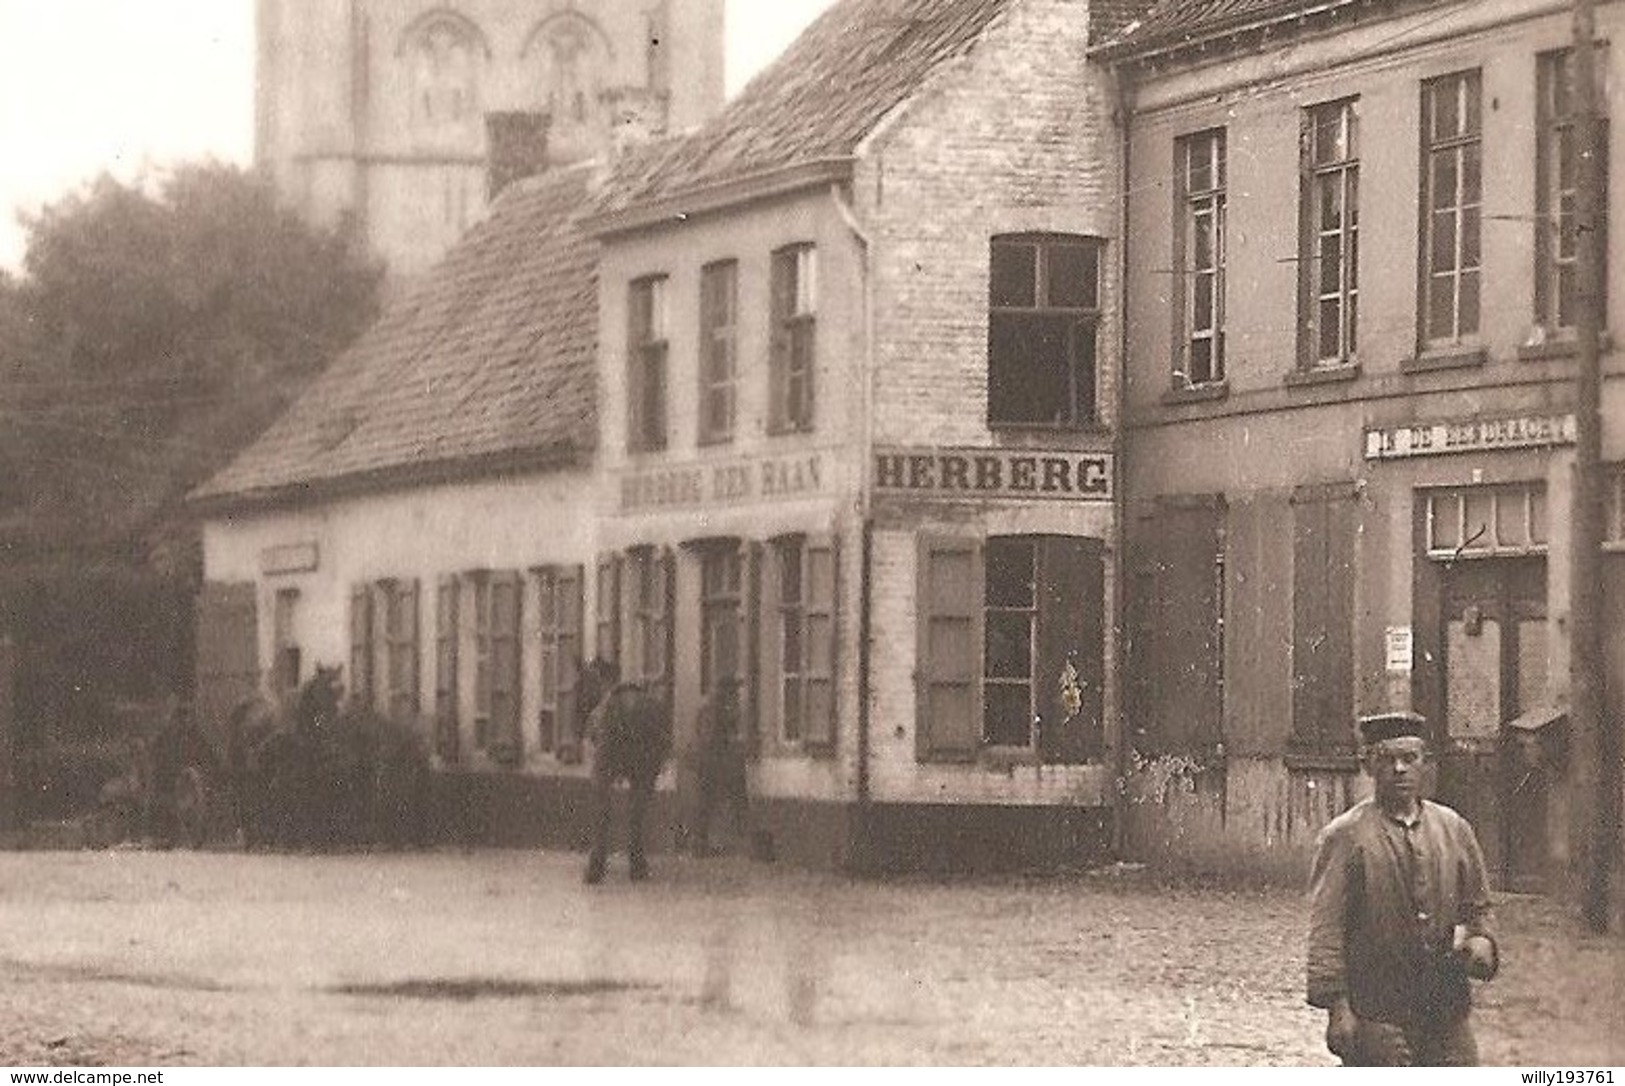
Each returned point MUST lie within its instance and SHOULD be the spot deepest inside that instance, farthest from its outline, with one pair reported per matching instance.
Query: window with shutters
(1200, 258)
(558, 601)
(1044, 303)
(1324, 530)
(496, 612)
(794, 325)
(1012, 648)
(719, 327)
(646, 365)
(448, 637)
(1452, 209)
(1556, 190)
(804, 580)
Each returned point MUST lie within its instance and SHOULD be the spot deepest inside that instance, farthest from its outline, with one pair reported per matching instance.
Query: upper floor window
(445, 55)
(719, 306)
(646, 365)
(795, 309)
(1043, 307)
(1557, 191)
(1452, 198)
(1329, 256)
(1200, 165)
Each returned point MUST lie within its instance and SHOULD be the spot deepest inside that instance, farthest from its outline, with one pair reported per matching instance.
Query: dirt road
(504, 958)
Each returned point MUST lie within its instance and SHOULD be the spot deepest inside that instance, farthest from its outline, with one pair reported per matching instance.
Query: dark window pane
(1010, 572)
(1014, 280)
(792, 642)
(1008, 715)
(1029, 365)
(1442, 307)
(1469, 303)
(1444, 179)
(1009, 645)
(1073, 276)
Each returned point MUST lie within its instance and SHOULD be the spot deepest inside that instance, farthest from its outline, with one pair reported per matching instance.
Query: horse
(630, 731)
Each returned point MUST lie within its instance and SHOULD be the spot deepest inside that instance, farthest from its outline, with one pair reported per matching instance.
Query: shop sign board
(736, 481)
(1469, 436)
(935, 474)
(289, 558)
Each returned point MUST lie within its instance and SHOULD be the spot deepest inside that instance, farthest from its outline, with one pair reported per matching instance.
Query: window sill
(1204, 393)
(1560, 347)
(1044, 430)
(1428, 361)
(1329, 763)
(1310, 376)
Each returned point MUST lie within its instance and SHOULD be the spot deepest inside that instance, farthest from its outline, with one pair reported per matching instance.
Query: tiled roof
(1176, 22)
(852, 66)
(491, 357)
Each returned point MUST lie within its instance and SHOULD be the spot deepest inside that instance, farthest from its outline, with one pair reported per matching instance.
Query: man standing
(1399, 914)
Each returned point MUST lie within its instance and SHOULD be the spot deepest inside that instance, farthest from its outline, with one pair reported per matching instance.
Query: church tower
(405, 117)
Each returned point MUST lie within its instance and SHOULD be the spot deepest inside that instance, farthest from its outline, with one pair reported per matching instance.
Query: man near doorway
(1399, 914)
(721, 764)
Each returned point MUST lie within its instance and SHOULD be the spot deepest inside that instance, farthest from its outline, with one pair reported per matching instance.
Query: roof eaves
(710, 197)
(557, 456)
(1130, 47)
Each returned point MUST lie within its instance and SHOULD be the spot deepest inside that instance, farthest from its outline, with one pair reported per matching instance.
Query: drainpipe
(1120, 592)
(844, 208)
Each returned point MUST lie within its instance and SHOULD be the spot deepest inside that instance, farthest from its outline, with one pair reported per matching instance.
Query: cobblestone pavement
(504, 958)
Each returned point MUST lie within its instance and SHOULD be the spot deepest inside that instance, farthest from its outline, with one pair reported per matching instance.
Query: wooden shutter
(783, 301)
(607, 635)
(666, 601)
(750, 693)
(1323, 527)
(448, 726)
(948, 665)
(820, 591)
(1071, 649)
(1178, 554)
(507, 594)
(570, 631)
(361, 645)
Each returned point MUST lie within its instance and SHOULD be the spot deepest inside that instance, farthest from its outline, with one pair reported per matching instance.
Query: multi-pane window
(648, 576)
(721, 615)
(448, 644)
(558, 604)
(1452, 197)
(444, 57)
(1011, 647)
(1487, 520)
(719, 308)
(794, 316)
(1010, 600)
(1201, 183)
(1330, 256)
(400, 611)
(805, 578)
(1557, 248)
(646, 365)
(496, 606)
(1043, 306)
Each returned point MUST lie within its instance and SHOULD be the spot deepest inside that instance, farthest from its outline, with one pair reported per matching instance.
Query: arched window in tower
(571, 57)
(444, 53)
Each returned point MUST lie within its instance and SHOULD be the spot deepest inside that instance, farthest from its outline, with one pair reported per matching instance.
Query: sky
(120, 86)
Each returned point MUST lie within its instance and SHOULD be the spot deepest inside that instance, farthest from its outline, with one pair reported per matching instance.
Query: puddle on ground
(471, 988)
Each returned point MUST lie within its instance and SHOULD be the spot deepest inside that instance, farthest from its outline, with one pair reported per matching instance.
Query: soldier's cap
(1380, 726)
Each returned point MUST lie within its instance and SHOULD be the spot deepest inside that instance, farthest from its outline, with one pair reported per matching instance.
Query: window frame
(1194, 204)
(793, 362)
(719, 351)
(1459, 148)
(1318, 172)
(1081, 323)
(560, 629)
(648, 358)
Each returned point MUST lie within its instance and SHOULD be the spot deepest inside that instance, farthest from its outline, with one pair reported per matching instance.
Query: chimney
(516, 148)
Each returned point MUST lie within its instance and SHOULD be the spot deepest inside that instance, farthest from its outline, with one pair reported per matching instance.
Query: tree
(157, 329)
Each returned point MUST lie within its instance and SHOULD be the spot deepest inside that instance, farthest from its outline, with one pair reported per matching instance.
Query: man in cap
(1399, 914)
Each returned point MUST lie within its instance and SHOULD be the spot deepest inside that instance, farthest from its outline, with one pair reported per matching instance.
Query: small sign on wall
(1399, 650)
(288, 558)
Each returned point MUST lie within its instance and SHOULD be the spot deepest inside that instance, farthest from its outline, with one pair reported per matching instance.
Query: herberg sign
(993, 474)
